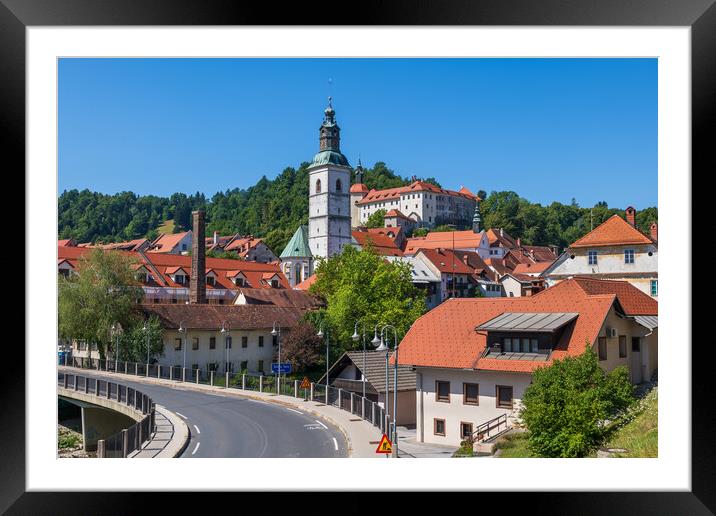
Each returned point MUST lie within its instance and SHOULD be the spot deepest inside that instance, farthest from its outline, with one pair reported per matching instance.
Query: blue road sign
(285, 368)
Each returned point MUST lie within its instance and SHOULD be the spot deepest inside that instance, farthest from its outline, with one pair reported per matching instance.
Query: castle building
(329, 213)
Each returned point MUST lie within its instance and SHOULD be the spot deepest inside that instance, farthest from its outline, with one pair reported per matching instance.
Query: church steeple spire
(476, 219)
(330, 133)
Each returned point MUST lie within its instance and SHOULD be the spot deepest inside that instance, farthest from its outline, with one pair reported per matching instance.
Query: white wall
(456, 411)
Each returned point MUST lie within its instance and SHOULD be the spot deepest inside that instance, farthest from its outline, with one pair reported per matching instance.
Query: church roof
(329, 157)
(298, 245)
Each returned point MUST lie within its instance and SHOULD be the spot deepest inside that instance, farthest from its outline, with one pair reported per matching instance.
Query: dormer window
(210, 280)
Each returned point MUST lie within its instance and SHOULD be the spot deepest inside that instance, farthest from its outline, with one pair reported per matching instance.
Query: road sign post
(306, 384)
(385, 446)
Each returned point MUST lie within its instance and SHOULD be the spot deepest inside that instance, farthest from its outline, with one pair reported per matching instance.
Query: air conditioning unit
(611, 332)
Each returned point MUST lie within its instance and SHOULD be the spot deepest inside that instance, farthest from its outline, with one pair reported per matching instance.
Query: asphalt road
(227, 426)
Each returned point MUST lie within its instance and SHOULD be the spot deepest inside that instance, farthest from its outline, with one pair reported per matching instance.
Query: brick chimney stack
(653, 231)
(197, 287)
(216, 237)
(631, 216)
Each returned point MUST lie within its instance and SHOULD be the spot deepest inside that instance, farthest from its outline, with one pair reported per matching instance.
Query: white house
(474, 358)
(613, 250)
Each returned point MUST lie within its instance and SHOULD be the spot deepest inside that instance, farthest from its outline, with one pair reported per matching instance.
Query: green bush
(568, 404)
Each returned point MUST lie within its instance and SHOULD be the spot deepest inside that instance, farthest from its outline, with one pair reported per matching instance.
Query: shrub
(568, 403)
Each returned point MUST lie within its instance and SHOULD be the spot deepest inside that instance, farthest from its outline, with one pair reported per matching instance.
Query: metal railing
(486, 430)
(343, 399)
(128, 440)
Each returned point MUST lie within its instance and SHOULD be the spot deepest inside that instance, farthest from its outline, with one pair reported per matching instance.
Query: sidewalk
(409, 448)
(169, 440)
(362, 437)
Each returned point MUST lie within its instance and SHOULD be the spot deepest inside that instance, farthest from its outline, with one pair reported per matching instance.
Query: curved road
(229, 426)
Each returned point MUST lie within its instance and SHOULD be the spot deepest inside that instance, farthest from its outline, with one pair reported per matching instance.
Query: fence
(125, 441)
(354, 403)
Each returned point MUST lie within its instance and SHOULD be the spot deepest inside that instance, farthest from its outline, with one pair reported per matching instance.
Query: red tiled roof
(503, 240)
(531, 268)
(359, 188)
(281, 297)
(447, 261)
(252, 271)
(212, 317)
(613, 231)
(382, 244)
(415, 186)
(444, 239)
(396, 213)
(167, 242)
(387, 231)
(67, 242)
(243, 244)
(446, 336)
(540, 253)
(306, 284)
(633, 300)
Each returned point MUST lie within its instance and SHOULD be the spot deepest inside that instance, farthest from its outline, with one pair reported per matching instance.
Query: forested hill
(273, 209)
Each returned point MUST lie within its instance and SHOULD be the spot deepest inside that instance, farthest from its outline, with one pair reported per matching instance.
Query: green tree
(134, 340)
(104, 291)
(375, 220)
(363, 286)
(301, 347)
(566, 405)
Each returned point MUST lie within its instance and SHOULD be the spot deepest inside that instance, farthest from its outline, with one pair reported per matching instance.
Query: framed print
(534, 145)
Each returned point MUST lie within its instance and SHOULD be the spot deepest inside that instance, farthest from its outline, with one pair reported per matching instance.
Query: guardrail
(125, 441)
(357, 405)
(485, 430)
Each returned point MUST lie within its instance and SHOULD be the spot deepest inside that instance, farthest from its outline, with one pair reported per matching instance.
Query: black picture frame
(700, 15)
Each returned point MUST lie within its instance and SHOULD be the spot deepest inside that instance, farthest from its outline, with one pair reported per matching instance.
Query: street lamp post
(319, 335)
(394, 426)
(355, 338)
(277, 334)
(225, 331)
(115, 333)
(182, 330)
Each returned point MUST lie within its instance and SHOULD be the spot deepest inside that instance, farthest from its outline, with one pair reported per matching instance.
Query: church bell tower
(329, 216)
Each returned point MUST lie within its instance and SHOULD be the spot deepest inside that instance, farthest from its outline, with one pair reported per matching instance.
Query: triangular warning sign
(385, 446)
(306, 383)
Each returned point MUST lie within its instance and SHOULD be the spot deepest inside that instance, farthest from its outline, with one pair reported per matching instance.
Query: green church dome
(329, 157)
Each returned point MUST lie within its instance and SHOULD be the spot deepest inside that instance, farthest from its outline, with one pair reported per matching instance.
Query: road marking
(197, 429)
(180, 414)
(324, 426)
(196, 448)
(293, 410)
(335, 443)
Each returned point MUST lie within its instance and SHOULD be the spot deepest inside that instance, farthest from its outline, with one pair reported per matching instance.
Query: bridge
(222, 424)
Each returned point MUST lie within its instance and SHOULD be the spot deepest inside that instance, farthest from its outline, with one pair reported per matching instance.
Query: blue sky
(549, 129)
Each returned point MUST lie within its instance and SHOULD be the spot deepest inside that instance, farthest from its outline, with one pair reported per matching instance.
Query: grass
(513, 445)
(640, 435)
(167, 228)
(67, 439)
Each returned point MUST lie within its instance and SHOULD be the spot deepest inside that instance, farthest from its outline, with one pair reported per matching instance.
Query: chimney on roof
(502, 232)
(216, 237)
(631, 216)
(653, 231)
(197, 286)
(519, 242)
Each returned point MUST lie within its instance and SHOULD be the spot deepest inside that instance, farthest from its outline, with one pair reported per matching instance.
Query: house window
(261, 341)
(195, 343)
(503, 396)
(339, 186)
(654, 287)
(592, 257)
(212, 342)
(318, 186)
(183, 247)
(177, 343)
(274, 283)
(174, 300)
(439, 427)
(602, 348)
(244, 365)
(470, 394)
(244, 341)
(227, 343)
(622, 346)
(507, 345)
(628, 255)
(442, 391)
(156, 300)
(210, 281)
(465, 430)
(261, 366)
(274, 340)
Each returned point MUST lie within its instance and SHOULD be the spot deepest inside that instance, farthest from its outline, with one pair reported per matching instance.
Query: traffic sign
(306, 383)
(284, 368)
(385, 446)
